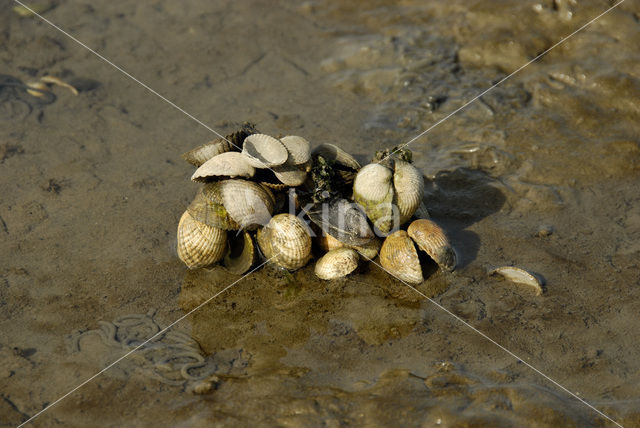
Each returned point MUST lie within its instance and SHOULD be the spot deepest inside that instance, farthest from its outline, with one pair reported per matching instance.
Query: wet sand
(541, 172)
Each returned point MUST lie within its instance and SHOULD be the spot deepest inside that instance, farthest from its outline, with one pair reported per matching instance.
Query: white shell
(409, 187)
(520, 276)
(291, 175)
(373, 190)
(199, 244)
(299, 149)
(337, 263)
(201, 154)
(263, 151)
(229, 164)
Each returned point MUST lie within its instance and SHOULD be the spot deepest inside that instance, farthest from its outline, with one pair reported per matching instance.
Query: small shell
(285, 241)
(198, 244)
(291, 175)
(249, 204)
(370, 250)
(263, 151)
(337, 155)
(520, 276)
(242, 254)
(409, 189)
(398, 256)
(37, 89)
(373, 190)
(299, 149)
(327, 243)
(337, 263)
(207, 208)
(229, 164)
(432, 240)
(200, 155)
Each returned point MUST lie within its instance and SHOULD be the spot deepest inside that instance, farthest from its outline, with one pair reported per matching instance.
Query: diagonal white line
(143, 343)
(472, 100)
(498, 345)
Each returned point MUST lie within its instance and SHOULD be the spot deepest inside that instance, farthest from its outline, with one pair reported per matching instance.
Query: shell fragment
(520, 276)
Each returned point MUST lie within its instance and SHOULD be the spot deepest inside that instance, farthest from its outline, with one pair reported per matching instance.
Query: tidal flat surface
(541, 172)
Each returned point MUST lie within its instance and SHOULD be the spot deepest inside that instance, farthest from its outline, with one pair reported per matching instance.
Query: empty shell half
(337, 263)
(335, 154)
(299, 149)
(229, 164)
(203, 153)
(199, 244)
(263, 151)
(398, 256)
(431, 239)
(409, 189)
(241, 255)
(520, 276)
(285, 241)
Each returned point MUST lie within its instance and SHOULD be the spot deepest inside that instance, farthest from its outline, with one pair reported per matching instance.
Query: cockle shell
(370, 250)
(241, 255)
(285, 241)
(327, 242)
(299, 149)
(247, 203)
(199, 244)
(520, 276)
(373, 190)
(291, 175)
(342, 219)
(431, 239)
(408, 184)
(229, 164)
(398, 256)
(336, 154)
(263, 151)
(203, 153)
(337, 263)
(207, 207)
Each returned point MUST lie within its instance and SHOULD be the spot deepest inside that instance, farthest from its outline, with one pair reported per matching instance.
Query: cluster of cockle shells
(249, 178)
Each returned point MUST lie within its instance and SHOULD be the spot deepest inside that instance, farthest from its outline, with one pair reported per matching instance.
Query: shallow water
(93, 187)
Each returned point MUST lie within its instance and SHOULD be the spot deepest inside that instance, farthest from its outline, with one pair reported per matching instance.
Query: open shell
(336, 154)
(207, 207)
(299, 149)
(203, 153)
(263, 151)
(285, 241)
(373, 190)
(337, 263)
(432, 240)
(398, 256)
(520, 276)
(199, 244)
(229, 164)
(241, 255)
(409, 189)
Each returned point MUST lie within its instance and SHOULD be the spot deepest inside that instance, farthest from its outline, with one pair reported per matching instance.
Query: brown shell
(241, 255)
(203, 153)
(249, 204)
(285, 241)
(207, 208)
(373, 190)
(398, 256)
(337, 263)
(199, 244)
(336, 154)
(409, 189)
(229, 164)
(432, 240)
(299, 149)
(263, 151)
(327, 242)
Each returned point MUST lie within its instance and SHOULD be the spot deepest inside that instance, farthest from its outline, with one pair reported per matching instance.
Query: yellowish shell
(370, 250)
(285, 241)
(337, 263)
(398, 256)
(241, 255)
(207, 208)
(229, 164)
(432, 240)
(299, 149)
(263, 151)
(409, 189)
(373, 190)
(199, 244)
(520, 276)
(327, 242)
(249, 204)
(201, 154)
(336, 154)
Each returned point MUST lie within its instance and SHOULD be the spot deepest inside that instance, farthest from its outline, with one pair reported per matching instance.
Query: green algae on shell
(373, 190)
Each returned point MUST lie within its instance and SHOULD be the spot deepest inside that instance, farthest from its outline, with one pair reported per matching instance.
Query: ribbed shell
(327, 242)
(373, 190)
(409, 189)
(198, 244)
(285, 241)
(299, 149)
(207, 208)
(370, 250)
(263, 151)
(291, 175)
(432, 240)
(203, 153)
(229, 164)
(337, 263)
(399, 257)
(337, 155)
(249, 204)
(241, 255)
